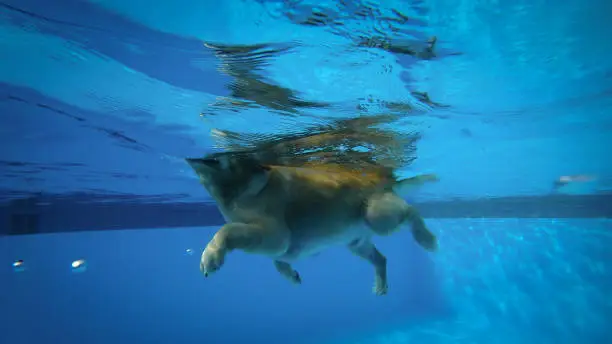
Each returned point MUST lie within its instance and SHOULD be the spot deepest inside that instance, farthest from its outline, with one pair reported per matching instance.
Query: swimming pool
(502, 281)
(104, 223)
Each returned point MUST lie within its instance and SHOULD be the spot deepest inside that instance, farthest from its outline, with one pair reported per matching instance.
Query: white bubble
(79, 265)
(18, 265)
(189, 252)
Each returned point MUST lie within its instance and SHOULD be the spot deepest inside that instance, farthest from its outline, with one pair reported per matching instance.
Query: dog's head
(227, 175)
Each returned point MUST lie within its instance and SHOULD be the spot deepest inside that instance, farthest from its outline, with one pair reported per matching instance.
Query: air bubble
(189, 252)
(79, 265)
(18, 266)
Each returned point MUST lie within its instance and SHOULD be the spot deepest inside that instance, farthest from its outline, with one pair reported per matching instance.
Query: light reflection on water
(138, 84)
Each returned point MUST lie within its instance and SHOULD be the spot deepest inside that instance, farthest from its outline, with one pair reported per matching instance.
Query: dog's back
(320, 207)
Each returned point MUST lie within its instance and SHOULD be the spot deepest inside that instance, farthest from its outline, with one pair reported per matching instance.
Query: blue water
(106, 97)
(495, 281)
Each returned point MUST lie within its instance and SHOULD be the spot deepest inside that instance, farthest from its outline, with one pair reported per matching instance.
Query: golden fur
(287, 213)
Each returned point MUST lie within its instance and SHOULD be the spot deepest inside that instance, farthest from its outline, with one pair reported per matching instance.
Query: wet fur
(287, 213)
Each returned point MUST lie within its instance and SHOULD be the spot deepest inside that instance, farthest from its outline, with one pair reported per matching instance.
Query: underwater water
(493, 281)
(103, 222)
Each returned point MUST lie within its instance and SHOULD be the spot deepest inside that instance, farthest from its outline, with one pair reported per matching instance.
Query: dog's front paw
(211, 261)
